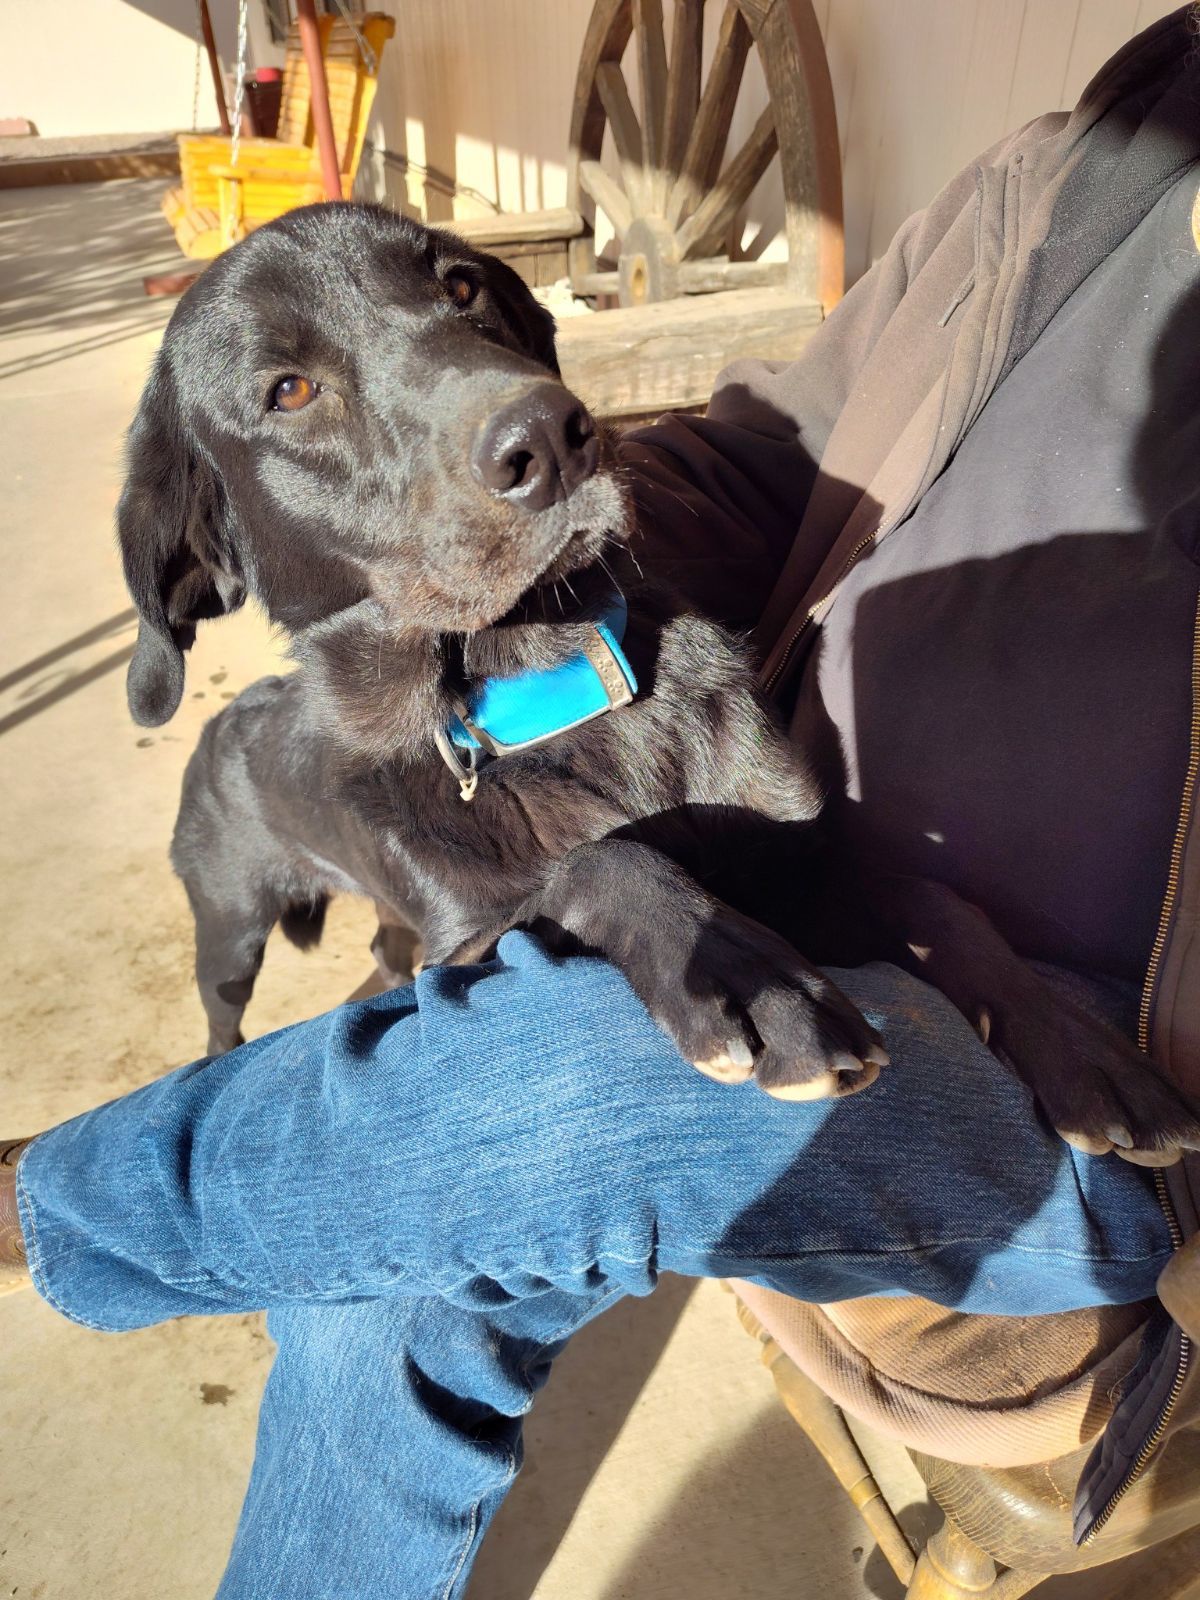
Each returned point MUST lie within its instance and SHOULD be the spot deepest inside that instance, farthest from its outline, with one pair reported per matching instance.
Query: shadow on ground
(70, 299)
(570, 1431)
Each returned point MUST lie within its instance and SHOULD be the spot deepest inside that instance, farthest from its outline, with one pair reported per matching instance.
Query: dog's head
(349, 406)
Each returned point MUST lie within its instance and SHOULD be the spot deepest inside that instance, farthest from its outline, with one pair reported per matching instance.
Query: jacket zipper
(1155, 1436)
(816, 607)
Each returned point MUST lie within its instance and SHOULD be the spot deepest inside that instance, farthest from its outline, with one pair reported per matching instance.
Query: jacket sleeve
(720, 498)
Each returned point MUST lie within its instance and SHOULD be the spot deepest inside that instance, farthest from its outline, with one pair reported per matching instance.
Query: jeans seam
(843, 1254)
(578, 1269)
(37, 1262)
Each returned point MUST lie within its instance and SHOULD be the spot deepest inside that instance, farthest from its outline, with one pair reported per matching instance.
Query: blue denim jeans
(432, 1190)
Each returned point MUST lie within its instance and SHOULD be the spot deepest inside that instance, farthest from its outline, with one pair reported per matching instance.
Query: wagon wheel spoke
(626, 132)
(706, 144)
(683, 81)
(652, 75)
(608, 195)
(678, 183)
(702, 233)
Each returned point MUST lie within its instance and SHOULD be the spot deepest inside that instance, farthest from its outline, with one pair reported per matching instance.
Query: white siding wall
(480, 90)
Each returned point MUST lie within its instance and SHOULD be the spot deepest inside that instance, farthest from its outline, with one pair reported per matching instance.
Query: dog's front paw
(1097, 1089)
(750, 1006)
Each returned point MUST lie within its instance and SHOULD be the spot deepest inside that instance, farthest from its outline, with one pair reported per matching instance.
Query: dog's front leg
(1094, 1085)
(738, 1001)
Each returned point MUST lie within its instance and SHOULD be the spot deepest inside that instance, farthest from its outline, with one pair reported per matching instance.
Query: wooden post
(214, 62)
(310, 38)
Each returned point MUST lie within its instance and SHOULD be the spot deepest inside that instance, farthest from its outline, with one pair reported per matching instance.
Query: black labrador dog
(495, 721)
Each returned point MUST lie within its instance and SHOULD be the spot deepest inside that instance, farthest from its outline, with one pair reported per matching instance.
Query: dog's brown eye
(460, 288)
(293, 393)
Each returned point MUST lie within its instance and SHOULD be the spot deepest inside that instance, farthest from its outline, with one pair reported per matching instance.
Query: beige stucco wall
(479, 91)
(112, 66)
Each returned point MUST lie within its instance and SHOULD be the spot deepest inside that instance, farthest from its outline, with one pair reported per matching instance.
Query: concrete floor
(659, 1463)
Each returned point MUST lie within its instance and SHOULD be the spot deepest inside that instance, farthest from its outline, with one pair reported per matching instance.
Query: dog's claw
(734, 1064)
(983, 1025)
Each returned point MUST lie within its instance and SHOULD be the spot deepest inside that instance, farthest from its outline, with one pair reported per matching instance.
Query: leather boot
(14, 1267)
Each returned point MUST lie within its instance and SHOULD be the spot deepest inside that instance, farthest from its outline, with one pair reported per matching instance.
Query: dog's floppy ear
(530, 322)
(178, 564)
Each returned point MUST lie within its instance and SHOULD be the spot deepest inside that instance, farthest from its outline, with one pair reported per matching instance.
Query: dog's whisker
(676, 496)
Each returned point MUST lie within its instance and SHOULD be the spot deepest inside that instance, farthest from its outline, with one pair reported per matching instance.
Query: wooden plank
(701, 277)
(608, 195)
(646, 359)
(88, 168)
(168, 284)
(597, 283)
(709, 277)
(702, 232)
(652, 76)
(626, 132)
(706, 145)
(683, 81)
(519, 227)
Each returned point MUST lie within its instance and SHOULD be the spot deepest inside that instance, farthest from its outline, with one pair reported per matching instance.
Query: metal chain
(196, 75)
(239, 88)
(370, 60)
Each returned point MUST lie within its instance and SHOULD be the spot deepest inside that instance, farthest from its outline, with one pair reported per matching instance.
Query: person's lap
(497, 1129)
(432, 1190)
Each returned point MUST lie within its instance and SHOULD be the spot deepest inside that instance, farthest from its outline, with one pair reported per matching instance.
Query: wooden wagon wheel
(676, 197)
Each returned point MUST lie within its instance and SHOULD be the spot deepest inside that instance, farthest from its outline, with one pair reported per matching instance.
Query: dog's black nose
(537, 449)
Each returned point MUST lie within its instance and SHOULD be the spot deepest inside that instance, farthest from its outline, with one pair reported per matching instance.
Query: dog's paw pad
(848, 1076)
(1089, 1144)
(1152, 1158)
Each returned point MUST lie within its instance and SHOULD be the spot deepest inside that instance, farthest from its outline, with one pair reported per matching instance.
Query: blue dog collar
(504, 715)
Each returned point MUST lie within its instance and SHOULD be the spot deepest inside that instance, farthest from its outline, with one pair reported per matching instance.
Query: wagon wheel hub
(649, 263)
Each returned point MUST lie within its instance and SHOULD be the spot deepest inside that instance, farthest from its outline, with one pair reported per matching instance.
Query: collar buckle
(462, 766)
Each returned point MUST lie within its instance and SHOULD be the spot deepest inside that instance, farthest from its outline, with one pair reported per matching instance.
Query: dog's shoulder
(260, 721)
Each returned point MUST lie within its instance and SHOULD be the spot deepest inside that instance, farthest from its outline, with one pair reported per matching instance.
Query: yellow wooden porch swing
(232, 185)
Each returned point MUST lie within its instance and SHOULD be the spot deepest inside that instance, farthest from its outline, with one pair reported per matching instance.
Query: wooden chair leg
(953, 1567)
(826, 1427)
